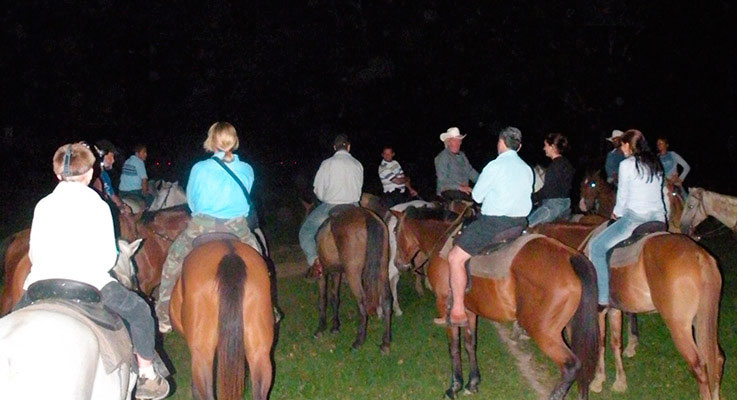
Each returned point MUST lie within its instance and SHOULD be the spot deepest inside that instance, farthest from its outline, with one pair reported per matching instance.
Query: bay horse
(550, 286)
(703, 203)
(222, 306)
(354, 242)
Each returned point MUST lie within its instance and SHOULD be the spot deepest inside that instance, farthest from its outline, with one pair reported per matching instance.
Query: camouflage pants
(198, 225)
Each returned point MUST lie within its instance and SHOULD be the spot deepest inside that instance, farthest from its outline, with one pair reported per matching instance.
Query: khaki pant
(198, 225)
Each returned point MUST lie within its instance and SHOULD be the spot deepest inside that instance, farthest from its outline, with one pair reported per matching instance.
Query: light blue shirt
(212, 191)
(504, 187)
(134, 170)
(613, 158)
(671, 160)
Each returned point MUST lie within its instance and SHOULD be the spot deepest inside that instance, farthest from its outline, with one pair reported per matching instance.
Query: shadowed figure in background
(554, 198)
(452, 168)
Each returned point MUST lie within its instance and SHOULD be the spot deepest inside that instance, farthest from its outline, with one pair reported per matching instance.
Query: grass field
(419, 368)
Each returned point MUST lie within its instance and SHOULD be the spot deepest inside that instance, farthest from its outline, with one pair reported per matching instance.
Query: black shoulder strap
(232, 174)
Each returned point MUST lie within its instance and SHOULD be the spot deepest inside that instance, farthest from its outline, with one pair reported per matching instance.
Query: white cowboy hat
(615, 134)
(451, 133)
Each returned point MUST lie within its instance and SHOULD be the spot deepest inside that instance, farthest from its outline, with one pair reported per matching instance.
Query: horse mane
(428, 213)
(150, 216)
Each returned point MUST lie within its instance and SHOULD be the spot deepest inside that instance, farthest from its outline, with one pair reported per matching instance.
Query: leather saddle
(489, 263)
(213, 237)
(623, 247)
(78, 296)
(502, 239)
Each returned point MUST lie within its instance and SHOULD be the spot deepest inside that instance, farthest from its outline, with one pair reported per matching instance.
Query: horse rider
(103, 184)
(339, 180)
(453, 169)
(396, 185)
(671, 161)
(639, 200)
(614, 157)
(555, 196)
(504, 190)
(72, 238)
(134, 179)
(218, 204)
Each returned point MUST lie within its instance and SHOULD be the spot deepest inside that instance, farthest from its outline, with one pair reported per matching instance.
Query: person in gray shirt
(453, 169)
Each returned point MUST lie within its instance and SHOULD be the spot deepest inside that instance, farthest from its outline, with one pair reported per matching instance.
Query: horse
(550, 286)
(167, 194)
(354, 241)
(703, 203)
(539, 172)
(222, 306)
(29, 354)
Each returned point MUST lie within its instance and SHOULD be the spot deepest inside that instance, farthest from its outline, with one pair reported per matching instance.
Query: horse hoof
(469, 390)
(385, 348)
(619, 386)
(450, 394)
(629, 352)
(317, 335)
(335, 330)
(397, 313)
(356, 345)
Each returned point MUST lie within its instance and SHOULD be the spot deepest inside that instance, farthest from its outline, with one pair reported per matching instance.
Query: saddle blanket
(622, 256)
(495, 265)
(115, 346)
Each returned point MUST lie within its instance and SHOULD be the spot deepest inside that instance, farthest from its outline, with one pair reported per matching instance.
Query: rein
(154, 231)
(420, 268)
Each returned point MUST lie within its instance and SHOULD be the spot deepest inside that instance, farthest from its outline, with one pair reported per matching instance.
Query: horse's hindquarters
(35, 364)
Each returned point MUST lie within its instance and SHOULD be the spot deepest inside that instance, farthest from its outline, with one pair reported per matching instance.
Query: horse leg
(600, 377)
(633, 339)
(353, 275)
(474, 377)
(386, 301)
(261, 371)
(393, 281)
(456, 382)
(321, 304)
(615, 327)
(335, 301)
(418, 285)
(682, 334)
(202, 379)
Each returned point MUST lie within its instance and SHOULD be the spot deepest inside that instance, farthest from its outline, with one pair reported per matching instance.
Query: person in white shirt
(639, 200)
(397, 188)
(72, 237)
(339, 180)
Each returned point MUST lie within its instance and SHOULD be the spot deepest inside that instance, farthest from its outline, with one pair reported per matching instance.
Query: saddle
(628, 250)
(213, 237)
(81, 297)
(496, 260)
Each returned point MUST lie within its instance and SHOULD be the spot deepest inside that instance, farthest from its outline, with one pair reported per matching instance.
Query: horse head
(693, 211)
(407, 244)
(124, 269)
(594, 187)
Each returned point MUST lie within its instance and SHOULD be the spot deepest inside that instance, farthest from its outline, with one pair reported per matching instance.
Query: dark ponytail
(647, 163)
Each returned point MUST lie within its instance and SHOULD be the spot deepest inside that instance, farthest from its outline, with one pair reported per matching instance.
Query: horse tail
(584, 324)
(231, 355)
(706, 320)
(372, 273)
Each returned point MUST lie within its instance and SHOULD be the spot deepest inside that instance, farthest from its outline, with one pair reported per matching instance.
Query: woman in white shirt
(639, 200)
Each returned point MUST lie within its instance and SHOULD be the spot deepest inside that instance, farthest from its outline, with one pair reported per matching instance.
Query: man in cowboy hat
(453, 169)
(614, 157)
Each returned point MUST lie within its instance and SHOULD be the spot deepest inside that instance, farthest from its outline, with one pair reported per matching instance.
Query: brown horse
(222, 306)
(16, 266)
(668, 266)
(354, 241)
(550, 286)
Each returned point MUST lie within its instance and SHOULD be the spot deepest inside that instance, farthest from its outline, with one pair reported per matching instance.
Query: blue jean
(621, 229)
(549, 211)
(308, 231)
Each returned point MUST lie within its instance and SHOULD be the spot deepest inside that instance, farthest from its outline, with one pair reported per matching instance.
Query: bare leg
(458, 279)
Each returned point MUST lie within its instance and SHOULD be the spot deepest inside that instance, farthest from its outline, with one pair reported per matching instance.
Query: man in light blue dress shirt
(504, 190)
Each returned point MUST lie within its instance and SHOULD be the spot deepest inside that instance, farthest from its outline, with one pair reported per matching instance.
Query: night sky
(291, 76)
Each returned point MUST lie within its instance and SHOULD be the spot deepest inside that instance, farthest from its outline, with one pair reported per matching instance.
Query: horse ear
(134, 245)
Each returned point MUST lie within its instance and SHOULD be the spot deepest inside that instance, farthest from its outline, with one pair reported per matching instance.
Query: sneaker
(152, 389)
